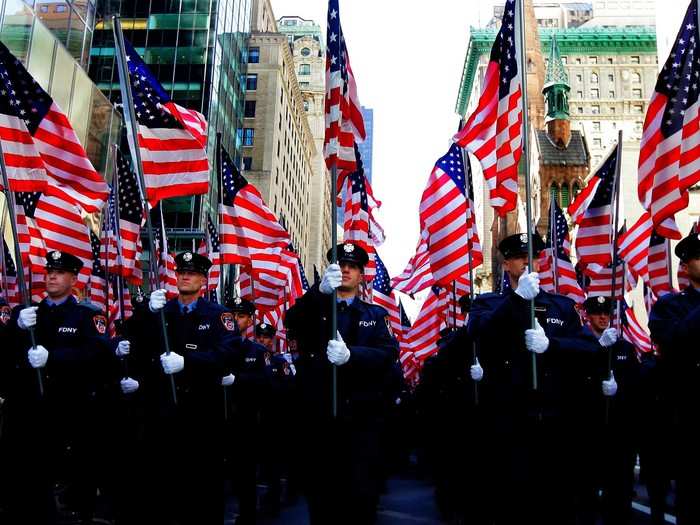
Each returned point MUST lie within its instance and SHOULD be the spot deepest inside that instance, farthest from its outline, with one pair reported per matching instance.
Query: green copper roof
(577, 41)
(556, 74)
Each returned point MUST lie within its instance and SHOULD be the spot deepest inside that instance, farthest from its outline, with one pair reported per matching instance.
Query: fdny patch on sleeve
(100, 324)
(5, 313)
(227, 321)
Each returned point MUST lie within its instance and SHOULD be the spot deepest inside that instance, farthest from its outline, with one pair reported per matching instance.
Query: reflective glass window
(62, 82)
(41, 55)
(16, 28)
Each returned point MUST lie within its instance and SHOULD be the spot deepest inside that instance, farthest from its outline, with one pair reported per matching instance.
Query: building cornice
(580, 40)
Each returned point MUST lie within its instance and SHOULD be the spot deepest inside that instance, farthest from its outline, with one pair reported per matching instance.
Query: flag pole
(222, 272)
(3, 262)
(467, 194)
(26, 298)
(526, 157)
(669, 264)
(334, 259)
(131, 126)
(454, 304)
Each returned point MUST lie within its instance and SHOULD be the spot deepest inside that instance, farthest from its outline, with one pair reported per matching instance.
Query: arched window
(594, 78)
(636, 78)
(305, 52)
(575, 189)
(554, 192)
(565, 196)
(304, 69)
(306, 105)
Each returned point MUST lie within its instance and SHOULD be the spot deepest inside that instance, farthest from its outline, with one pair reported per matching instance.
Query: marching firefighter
(55, 433)
(527, 448)
(183, 437)
(343, 453)
(674, 323)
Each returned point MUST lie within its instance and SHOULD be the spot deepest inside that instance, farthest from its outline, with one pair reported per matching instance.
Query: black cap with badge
(192, 262)
(58, 260)
(265, 330)
(238, 305)
(597, 305)
(688, 248)
(515, 245)
(350, 252)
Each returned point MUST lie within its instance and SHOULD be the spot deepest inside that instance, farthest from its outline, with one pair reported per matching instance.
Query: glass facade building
(55, 55)
(197, 50)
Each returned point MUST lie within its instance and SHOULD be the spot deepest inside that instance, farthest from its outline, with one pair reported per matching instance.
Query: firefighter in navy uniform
(603, 417)
(183, 441)
(248, 393)
(528, 445)
(55, 436)
(343, 464)
(674, 323)
(446, 389)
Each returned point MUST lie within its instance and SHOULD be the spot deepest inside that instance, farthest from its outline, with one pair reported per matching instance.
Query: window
(610, 60)
(597, 159)
(575, 189)
(578, 60)
(579, 110)
(593, 60)
(565, 60)
(611, 78)
(579, 94)
(634, 60)
(594, 78)
(249, 110)
(254, 55)
(612, 110)
(303, 85)
(305, 52)
(598, 143)
(638, 126)
(638, 109)
(596, 125)
(595, 109)
(248, 136)
(554, 192)
(611, 94)
(60, 9)
(43, 9)
(636, 93)
(595, 93)
(579, 78)
(247, 163)
(304, 69)
(306, 105)
(565, 197)
(251, 82)
(636, 78)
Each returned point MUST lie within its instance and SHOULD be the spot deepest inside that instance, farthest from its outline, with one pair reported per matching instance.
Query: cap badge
(698, 236)
(187, 257)
(237, 300)
(349, 248)
(263, 326)
(523, 238)
(601, 299)
(56, 255)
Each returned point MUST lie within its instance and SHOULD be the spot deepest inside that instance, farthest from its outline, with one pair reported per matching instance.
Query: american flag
(167, 279)
(131, 217)
(173, 157)
(384, 296)
(42, 152)
(265, 297)
(249, 232)
(592, 211)
(119, 294)
(417, 275)
(493, 133)
(423, 336)
(31, 242)
(633, 246)
(9, 273)
(98, 277)
(214, 249)
(449, 310)
(565, 282)
(344, 123)
(444, 219)
(634, 332)
(658, 265)
(600, 280)
(669, 159)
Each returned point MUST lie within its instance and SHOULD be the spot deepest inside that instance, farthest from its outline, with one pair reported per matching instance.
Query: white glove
(157, 300)
(123, 348)
(528, 285)
(608, 338)
(476, 372)
(610, 386)
(38, 356)
(27, 317)
(332, 278)
(173, 363)
(228, 380)
(536, 340)
(337, 351)
(129, 385)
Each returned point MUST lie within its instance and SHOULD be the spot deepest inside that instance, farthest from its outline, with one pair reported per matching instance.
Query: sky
(408, 57)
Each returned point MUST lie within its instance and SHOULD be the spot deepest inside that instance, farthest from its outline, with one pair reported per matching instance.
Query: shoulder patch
(100, 324)
(5, 313)
(387, 322)
(227, 321)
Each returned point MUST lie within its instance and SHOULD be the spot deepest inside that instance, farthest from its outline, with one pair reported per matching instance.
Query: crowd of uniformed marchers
(141, 434)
